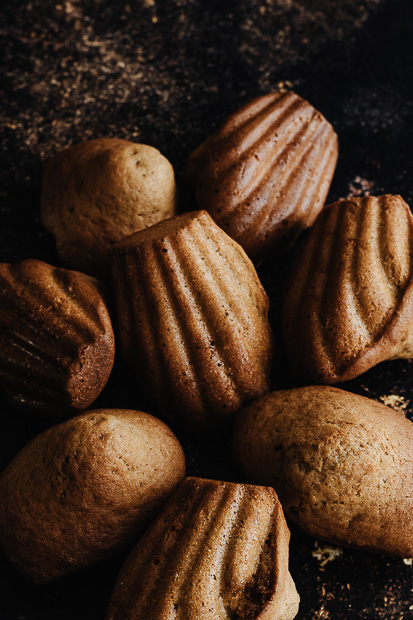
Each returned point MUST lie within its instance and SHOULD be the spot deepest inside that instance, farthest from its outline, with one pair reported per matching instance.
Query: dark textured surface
(166, 74)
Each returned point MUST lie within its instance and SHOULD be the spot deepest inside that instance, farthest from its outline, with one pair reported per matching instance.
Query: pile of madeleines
(191, 322)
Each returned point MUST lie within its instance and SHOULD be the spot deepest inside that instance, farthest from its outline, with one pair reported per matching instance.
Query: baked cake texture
(349, 301)
(341, 464)
(265, 174)
(192, 320)
(85, 489)
(97, 192)
(219, 550)
(56, 340)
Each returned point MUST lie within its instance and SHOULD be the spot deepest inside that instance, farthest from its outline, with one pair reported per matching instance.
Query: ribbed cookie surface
(218, 551)
(56, 339)
(265, 174)
(349, 302)
(192, 319)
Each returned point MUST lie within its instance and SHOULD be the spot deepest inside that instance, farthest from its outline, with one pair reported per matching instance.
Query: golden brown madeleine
(192, 319)
(349, 301)
(341, 464)
(56, 340)
(219, 550)
(265, 174)
(84, 489)
(97, 192)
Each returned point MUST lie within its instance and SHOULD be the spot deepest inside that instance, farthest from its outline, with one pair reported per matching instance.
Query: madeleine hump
(99, 191)
(341, 464)
(86, 489)
(219, 550)
(349, 301)
(265, 174)
(56, 339)
(192, 317)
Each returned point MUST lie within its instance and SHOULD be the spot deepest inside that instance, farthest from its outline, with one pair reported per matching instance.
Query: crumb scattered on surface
(360, 187)
(396, 402)
(325, 553)
(408, 561)
(322, 613)
(284, 86)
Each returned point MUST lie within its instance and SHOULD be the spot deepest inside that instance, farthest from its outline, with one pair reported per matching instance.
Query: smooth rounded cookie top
(84, 489)
(97, 192)
(341, 464)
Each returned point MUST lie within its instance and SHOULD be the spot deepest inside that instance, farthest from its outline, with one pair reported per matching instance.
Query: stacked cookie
(192, 324)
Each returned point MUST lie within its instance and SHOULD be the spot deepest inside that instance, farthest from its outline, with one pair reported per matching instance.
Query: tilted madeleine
(192, 319)
(349, 301)
(219, 550)
(56, 339)
(265, 174)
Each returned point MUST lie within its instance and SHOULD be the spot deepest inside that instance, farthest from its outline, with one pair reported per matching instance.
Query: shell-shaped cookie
(342, 464)
(192, 319)
(349, 303)
(86, 489)
(219, 550)
(265, 174)
(97, 192)
(56, 339)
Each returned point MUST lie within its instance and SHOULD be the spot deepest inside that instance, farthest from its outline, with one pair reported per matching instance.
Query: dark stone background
(167, 74)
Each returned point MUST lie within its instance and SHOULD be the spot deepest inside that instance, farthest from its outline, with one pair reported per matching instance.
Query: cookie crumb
(396, 402)
(325, 553)
(360, 187)
(284, 86)
(321, 613)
